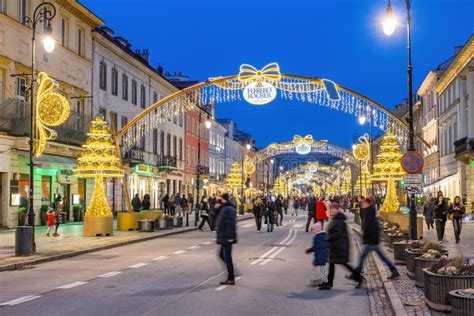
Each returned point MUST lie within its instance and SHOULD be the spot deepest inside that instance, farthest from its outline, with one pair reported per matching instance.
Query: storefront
(146, 179)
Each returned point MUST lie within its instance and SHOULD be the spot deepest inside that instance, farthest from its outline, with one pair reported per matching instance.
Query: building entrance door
(66, 194)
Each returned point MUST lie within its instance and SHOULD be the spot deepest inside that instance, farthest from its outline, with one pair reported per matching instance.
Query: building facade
(217, 159)
(70, 64)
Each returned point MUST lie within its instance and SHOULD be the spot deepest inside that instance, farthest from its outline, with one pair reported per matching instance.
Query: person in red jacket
(321, 215)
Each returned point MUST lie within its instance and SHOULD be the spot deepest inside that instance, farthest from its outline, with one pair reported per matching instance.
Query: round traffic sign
(412, 162)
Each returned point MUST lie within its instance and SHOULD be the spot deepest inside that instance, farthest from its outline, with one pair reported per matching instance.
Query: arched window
(114, 81)
(124, 87)
(142, 96)
(134, 91)
(103, 75)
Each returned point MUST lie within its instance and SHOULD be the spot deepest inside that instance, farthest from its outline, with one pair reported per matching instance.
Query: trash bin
(24, 241)
(146, 225)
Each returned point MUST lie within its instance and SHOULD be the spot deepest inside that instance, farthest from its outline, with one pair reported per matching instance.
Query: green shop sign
(472, 163)
(46, 172)
(147, 170)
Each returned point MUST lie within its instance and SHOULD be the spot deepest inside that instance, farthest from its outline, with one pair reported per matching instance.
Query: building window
(64, 32)
(180, 119)
(79, 115)
(113, 120)
(162, 143)
(114, 81)
(175, 146)
(155, 97)
(46, 182)
(142, 96)
(168, 145)
(142, 137)
(180, 148)
(124, 121)
(80, 42)
(103, 75)
(124, 87)
(103, 112)
(2, 6)
(22, 11)
(134, 92)
(20, 97)
(155, 141)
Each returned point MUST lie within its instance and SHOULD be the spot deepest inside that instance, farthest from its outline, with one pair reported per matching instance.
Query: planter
(410, 261)
(77, 215)
(420, 264)
(178, 221)
(21, 219)
(146, 225)
(461, 304)
(43, 218)
(437, 288)
(392, 239)
(399, 251)
(164, 223)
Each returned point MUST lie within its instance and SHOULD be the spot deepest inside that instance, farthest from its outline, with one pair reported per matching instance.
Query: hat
(335, 205)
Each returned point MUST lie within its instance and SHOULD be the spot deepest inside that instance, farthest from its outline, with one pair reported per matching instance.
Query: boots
(325, 286)
(395, 275)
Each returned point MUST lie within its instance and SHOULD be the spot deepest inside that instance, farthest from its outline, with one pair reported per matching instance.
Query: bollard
(187, 219)
(24, 241)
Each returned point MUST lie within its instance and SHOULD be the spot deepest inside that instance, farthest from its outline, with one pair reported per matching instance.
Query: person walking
(338, 245)
(172, 205)
(371, 239)
(204, 214)
(441, 212)
(269, 215)
(226, 226)
(51, 219)
(320, 251)
(165, 200)
(311, 212)
(146, 204)
(258, 212)
(321, 211)
(177, 202)
(279, 210)
(428, 212)
(136, 203)
(456, 213)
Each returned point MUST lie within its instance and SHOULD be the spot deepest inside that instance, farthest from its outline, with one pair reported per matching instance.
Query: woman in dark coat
(146, 202)
(457, 211)
(428, 212)
(258, 212)
(269, 215)
(441, 216)
(338, 243)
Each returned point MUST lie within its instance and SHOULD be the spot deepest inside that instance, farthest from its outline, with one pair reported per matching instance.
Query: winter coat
(338, 240)
(319, 249)
(146, 204)
(428, 212)
(226, 225)
(177, 199)
(457, 211)
(311, 208)
(441, 211)
(136, 203)
(370, 226)
(279, 205)
(321, 214)
(259, 210)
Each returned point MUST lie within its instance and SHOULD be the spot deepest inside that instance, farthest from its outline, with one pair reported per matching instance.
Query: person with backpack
(226, 227)
(205, 216)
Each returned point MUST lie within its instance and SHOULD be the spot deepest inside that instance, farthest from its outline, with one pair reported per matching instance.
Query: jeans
(205, 219)
(226, 256)
(269, 226)
(281, 219)
(178, 210)
(308, 221)
(376, 248)
(457, 225)
(440, 225)
(332, 271)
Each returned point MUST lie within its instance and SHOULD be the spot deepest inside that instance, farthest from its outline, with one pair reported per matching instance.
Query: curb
(394, 299)
(55, 257)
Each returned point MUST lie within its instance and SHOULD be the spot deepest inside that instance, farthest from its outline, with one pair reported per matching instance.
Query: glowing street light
(208, 124)
(389, 22)
(362, 119)
(49, 43)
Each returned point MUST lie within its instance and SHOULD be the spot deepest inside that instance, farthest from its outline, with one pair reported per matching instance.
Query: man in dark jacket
(311, 212)
(136, 203)
(338, 243)
(370, 227)
(226, 227)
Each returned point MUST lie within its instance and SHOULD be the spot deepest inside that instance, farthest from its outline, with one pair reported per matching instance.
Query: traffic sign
(412, 162)
(413, 183)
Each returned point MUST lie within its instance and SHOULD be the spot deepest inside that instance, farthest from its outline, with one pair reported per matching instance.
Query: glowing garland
(304, 90)
(52, 109)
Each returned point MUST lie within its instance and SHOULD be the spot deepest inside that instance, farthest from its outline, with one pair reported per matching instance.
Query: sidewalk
(71, 243)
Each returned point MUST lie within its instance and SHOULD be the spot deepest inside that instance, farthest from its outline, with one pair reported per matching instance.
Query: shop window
(46, 190)
(81, 190)
(19, 191)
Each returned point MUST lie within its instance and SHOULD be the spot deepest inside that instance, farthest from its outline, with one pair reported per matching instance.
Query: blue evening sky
(341, 40)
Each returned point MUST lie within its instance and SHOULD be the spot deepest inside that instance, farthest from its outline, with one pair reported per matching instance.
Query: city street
(180, 274)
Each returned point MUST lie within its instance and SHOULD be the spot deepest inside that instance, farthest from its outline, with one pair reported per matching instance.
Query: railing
(134, 155)
(464, 146)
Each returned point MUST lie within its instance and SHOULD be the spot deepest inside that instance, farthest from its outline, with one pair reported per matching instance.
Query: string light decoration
(52, 109)
(387, 167)
(98, 159)
(249, 165)
(362, 153)
(280, 186)
(229, 89)
(346, 184)
(234, 178)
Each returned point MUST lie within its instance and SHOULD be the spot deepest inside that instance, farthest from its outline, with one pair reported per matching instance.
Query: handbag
(450, 216)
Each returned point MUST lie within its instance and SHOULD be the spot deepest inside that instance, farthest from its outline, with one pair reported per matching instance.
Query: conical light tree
(234, 178)
(363, 180)
(346, 184)
(387, 167)
(98, 159)
(280, 187)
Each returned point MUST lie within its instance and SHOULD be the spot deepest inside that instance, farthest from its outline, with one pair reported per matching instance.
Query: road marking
(178, 252)
(273, 248)
(20, 300)
(220, 288)
(279, 250)
(298, 225)
(110, 274)
(195, 247)
(138, 265)
(207, 243)
(160, 258)
(71, 285)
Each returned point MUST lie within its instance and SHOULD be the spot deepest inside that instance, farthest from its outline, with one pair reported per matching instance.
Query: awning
(50, 158)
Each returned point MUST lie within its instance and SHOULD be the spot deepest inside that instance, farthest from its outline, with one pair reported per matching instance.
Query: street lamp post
(389, 25)
(43, 13)
(198, 168)
(267, 191)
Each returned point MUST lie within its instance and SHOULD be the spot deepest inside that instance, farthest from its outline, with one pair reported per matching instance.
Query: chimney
(144, 54)
(159, 70)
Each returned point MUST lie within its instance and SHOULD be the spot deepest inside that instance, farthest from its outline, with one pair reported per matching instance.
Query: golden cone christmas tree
(99, 158)
(387, 167)
(234, 178)
(280, 187)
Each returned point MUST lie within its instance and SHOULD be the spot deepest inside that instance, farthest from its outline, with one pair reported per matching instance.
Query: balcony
(464, 149)
(134, 155)
(15, 120)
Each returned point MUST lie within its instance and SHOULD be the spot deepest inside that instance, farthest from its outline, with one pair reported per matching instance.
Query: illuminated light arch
(318, 91)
